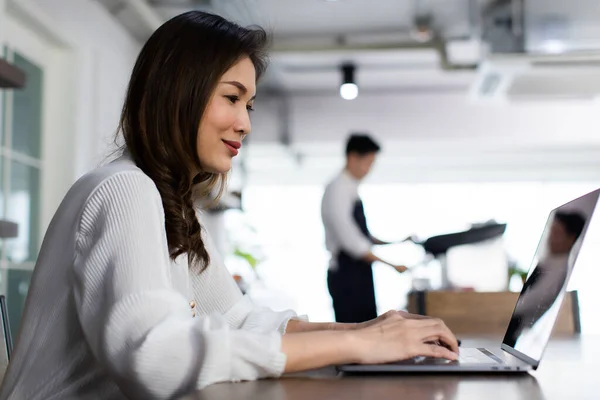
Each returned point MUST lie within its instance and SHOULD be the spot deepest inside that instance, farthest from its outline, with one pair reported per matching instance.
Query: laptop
(537, 307)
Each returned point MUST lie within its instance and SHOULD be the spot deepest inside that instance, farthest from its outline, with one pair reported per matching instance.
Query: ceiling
(312, 38)
(316, 17)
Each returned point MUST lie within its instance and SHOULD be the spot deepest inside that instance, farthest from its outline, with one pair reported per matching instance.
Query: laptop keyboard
(474, 356)
(466, 356)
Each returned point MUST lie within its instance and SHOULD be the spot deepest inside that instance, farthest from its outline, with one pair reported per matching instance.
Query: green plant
(515, 270)
(253, 261)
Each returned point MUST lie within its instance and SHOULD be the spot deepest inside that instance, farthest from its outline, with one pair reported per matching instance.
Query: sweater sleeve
(239, 310)
(250, 317)
(137, 326)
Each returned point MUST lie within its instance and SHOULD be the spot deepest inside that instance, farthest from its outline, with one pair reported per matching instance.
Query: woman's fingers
(434, 329)
(393, 337)
(432, 350)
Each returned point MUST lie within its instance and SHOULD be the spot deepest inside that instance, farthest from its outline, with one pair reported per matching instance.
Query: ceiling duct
(560, 27)
(348, 43)
(502, 26)
(527, 77)
(540, 50)
(142, 17)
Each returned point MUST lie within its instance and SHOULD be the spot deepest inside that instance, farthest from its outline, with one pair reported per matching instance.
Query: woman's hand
(387, 315)
(394, 337)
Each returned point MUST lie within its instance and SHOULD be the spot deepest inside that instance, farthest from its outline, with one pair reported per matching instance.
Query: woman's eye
(235, 99)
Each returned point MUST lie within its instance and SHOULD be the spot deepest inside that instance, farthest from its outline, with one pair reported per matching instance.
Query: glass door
(20, 165)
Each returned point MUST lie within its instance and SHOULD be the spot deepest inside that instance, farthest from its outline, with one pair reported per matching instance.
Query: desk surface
(567, 371)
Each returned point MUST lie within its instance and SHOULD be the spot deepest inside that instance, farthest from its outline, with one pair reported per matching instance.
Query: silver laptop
(537, 308)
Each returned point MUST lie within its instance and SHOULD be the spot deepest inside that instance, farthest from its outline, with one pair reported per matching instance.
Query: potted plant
(515, 269)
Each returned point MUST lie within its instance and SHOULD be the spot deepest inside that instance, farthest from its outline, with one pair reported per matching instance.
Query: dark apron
(351, 284)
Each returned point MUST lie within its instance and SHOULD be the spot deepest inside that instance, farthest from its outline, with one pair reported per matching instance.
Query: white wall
(441, 116)
(429, 136)
(427, 116)
(106, 53)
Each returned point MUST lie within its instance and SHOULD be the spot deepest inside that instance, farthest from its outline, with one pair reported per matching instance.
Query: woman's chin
(218, 168)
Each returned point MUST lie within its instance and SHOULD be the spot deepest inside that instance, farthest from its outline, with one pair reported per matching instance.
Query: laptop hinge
(534, 364)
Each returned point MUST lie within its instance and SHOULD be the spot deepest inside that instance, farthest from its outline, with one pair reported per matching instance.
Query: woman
(129, 298)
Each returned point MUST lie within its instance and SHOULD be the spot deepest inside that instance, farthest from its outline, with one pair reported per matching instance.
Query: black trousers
(352, 290)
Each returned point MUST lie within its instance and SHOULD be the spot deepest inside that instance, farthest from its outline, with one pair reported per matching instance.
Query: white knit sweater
(110, 316)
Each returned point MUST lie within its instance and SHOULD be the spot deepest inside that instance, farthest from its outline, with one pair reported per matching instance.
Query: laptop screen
(540, 300)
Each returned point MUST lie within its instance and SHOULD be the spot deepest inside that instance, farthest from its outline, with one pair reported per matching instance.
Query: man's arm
(339, 207)
(379, 242)
(371, 258)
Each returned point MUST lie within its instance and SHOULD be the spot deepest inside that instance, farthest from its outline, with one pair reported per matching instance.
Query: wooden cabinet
(486, 313)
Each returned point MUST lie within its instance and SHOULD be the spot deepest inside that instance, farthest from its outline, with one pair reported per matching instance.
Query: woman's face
(226, 120)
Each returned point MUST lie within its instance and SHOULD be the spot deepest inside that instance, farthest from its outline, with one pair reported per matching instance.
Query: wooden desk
(567, 371)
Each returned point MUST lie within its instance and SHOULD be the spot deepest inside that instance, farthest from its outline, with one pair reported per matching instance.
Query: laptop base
(494, 362)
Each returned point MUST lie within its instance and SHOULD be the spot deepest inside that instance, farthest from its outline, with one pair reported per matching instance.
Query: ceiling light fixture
(349, 89)
(422, 30)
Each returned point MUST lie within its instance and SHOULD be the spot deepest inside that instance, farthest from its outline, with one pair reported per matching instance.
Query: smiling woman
(226, 118)
(129, 298)
(191, 88)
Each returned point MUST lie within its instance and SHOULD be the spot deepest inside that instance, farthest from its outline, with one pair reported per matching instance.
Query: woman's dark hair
(171, 84)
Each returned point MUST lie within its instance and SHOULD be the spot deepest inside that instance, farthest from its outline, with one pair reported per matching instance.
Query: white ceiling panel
(320, 25)
(379, 79)
(289, 17)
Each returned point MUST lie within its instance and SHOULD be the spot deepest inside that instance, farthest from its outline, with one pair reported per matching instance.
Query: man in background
(347, 237)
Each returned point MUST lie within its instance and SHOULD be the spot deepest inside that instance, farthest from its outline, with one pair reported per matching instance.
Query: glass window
(23, 207)
(21, 126)
(27, 110)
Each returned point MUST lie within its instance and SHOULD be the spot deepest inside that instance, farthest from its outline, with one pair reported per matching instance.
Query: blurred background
(486, 110)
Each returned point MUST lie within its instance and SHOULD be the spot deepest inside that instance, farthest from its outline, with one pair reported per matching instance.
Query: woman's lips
(233, 146)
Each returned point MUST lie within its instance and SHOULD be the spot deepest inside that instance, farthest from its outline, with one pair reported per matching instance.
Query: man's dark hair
(361, 144)
(573, 222)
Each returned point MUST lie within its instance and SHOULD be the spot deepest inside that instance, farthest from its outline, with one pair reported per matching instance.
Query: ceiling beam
(136, 14)
(378, 91)
(146, 13)
(437, 44)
